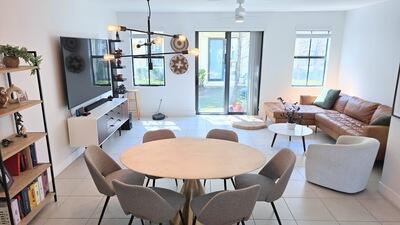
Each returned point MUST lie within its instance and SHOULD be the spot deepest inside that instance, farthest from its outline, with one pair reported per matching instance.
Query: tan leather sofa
(349, 116)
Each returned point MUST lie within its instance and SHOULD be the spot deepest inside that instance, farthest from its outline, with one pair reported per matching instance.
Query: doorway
(228, 72)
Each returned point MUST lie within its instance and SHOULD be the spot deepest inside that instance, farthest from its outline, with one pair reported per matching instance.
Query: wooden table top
(192, 158)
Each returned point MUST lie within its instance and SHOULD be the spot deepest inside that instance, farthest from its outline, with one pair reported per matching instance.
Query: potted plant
(291, 113)
(12, 54)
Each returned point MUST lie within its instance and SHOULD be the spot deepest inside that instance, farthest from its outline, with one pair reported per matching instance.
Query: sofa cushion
(382, 116)
(341, 123)
(341, 102)
(360, 109)
(327, 98)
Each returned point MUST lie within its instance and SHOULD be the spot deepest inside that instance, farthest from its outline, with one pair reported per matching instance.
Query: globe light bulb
(158, 40)
(108, 57)
(194, 51)
(182, 37)
(114, 28)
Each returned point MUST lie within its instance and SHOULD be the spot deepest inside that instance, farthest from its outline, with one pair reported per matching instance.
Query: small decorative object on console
(3, 97)
(21, 130)
(121, 89)
(5, 143)
(291, 113)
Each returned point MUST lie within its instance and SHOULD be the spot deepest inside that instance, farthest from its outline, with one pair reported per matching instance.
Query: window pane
(99, 47)
(136, 50)
(140, 71)
(216, 59)
(303, 32)
(316, 73)
(320, 32)
(300, 68)
(157, 74)
(302, 47)
(318, 46)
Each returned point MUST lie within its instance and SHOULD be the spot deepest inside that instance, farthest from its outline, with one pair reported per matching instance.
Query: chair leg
(243, 222)
(176, 182)
(194, 220)
(154, 182)
(204, 183)
(148, 181)
(181, 216)
(276, 213)
(141, 220)
(131, 220)
(233, 182)
(225, 188)
(104, 209)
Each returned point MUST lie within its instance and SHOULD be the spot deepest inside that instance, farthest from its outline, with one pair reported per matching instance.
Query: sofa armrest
(307, 99)
(380, 133)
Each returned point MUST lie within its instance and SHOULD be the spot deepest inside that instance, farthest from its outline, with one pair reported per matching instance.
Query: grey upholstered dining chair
(226, 135)
(273, 178)
(104, 170)
(157, 205)
(155, 136)
(225, 207)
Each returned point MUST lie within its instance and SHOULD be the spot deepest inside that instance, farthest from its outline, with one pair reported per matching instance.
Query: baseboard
(389, 194)
(65, 163)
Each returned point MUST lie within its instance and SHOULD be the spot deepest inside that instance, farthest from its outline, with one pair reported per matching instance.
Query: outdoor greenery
(21, 52)
(202, 77)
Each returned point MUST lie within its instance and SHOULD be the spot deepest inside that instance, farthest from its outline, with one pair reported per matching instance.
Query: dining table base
(190, 189)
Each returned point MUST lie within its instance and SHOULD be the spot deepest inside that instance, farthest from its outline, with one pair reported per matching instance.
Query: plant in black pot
(291, 113)
(12, 54)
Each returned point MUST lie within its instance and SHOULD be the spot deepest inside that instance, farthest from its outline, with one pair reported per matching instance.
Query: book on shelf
(25, 205)
(32, 147)
(13, 165)
(40, 189)
(5, 217)
(32, 196)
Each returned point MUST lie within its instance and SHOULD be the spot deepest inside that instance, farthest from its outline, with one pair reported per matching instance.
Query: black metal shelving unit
(114, 69)
(26, 178)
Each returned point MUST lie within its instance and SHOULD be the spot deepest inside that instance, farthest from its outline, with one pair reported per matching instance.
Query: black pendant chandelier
(153, 38)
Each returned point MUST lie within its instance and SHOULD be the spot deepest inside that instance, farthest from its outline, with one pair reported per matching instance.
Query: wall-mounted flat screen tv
(86, 74)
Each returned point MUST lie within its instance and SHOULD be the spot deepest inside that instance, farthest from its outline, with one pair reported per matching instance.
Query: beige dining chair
(225, 207)
(154, 204)
(273, 178)
(226, 135)
(155, 136)
(104, 170)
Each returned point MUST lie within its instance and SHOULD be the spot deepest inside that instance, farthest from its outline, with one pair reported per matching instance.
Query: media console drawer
(96, 128)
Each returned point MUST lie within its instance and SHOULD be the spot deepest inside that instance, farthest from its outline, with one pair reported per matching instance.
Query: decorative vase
(291, 126)
(11, 61)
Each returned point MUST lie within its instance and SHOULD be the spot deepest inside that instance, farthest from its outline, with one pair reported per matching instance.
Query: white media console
(97, 127)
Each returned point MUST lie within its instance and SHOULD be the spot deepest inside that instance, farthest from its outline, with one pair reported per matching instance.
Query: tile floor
(302, 203)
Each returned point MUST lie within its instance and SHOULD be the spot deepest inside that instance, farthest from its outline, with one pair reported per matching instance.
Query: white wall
(371, 52)
(37, 25)
(369, 66)
(279, 40)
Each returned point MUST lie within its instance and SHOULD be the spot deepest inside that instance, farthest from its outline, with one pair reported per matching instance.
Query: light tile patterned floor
(302, 203)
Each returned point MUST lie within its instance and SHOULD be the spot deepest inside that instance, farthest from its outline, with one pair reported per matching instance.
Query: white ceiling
(230, 5)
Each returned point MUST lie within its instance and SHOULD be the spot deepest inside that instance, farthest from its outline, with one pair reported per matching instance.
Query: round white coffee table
(283, 129)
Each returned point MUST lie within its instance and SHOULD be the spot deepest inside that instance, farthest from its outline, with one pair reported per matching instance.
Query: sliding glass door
(228, 71)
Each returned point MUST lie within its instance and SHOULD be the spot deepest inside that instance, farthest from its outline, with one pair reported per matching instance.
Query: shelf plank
(24, 179)
(28, 218)
(4, 70)
(13, 108)
(20, 143)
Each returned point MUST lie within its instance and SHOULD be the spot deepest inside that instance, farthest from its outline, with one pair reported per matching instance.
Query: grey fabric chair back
(229, 207)
(158, 135)
(222, 134)
(279, 168)
(143, 203)
(100, 165)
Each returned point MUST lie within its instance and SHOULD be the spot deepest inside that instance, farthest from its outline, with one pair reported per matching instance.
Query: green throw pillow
(382, 121)
(327, 98)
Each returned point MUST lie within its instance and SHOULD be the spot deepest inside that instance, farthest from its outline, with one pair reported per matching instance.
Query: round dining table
(192, 159)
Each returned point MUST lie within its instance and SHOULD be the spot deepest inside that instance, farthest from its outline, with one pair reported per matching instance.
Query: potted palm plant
(12, 54)
(291, 113)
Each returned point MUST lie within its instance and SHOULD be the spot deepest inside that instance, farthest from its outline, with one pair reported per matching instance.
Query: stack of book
(29, 198)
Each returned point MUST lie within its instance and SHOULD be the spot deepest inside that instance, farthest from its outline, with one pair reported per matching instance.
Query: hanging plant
(12, 54)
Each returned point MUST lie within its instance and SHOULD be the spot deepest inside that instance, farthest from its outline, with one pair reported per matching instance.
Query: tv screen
(86, 74)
